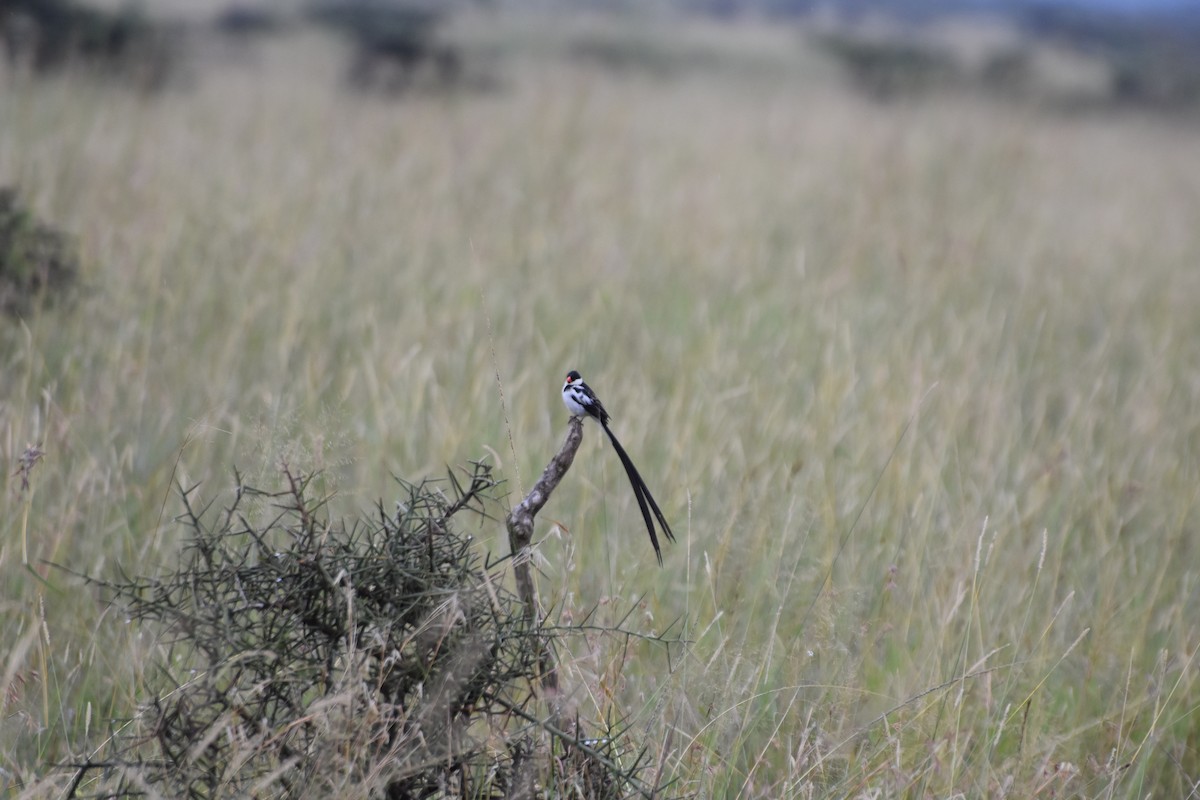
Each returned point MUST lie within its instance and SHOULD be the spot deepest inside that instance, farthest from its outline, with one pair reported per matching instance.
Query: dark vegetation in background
(396, 45)
(1154, 57)
(301, 656)
(248, 21)
(37, 262)
(896, 68)
(887, 69)
(1152, 61)
(46, 35)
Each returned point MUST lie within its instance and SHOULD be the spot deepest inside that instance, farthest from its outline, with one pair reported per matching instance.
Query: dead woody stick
(520, 533)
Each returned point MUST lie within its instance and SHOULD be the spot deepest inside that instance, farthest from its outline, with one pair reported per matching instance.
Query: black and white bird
(581, 401)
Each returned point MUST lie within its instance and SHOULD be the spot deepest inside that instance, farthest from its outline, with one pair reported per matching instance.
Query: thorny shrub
(305, 658)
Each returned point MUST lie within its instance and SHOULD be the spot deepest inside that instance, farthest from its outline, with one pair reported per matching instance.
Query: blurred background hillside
(1069, 51)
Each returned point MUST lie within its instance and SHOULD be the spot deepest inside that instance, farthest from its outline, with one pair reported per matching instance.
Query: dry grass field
(916, 383)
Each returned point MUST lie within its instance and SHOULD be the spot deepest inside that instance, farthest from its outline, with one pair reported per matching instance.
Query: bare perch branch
(520, 533)
(520, 520)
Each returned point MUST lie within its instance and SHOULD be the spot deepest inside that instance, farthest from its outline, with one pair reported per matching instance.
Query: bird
(581, 401)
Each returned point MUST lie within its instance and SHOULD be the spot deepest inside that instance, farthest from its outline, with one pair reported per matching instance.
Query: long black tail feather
(644, 498)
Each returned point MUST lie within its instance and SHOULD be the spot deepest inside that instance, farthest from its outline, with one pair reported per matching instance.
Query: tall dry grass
(916, 384)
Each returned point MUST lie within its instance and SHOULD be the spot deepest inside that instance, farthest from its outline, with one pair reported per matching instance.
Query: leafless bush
(305, 658)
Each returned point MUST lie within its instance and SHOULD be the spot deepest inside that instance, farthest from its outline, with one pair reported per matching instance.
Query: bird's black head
(573, 376)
